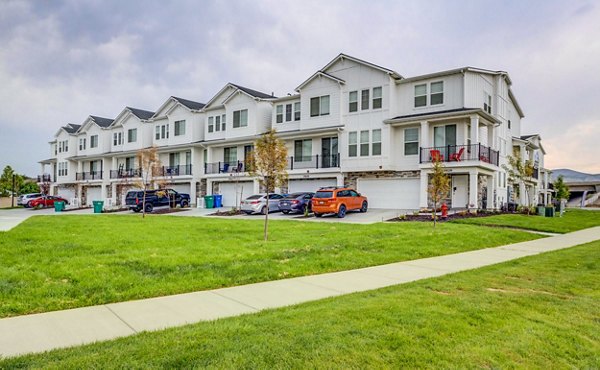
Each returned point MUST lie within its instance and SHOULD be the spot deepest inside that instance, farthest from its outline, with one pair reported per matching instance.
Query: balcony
(460, 153)
(44, 178)
(126, 174)
(314, 161)
(226, 167)
(179, 170)
(93, 175)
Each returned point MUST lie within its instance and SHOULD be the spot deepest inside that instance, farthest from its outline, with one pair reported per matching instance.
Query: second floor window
(180, 128)
(352, 144)
(217, 123)
(279, 114)
(353, 101)
(117, 138)
(62, 169)
(420, 95)
(211, 124)
(63, 146)
(411, 141)
(288, 112)
(297, 111)
(94, 141)
(132, 135)
(82, 143)
(364, 99)
(302, 150)
(230, 154)
(240, 118)
(319, 106)
(161, 132)
(487, 103)
(376, 142)
(364, 143)
(437, 93)
(377, 98)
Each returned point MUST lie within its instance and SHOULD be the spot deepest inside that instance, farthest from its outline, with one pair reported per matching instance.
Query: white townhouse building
(351, 123)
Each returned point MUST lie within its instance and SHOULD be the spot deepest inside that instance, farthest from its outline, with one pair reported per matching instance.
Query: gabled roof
(254, 93)
(71, 128)
(189, 103)
(237, 88)
(320, 74)
(456, 71)
(140, 113)
(101, 121)
(342, 56)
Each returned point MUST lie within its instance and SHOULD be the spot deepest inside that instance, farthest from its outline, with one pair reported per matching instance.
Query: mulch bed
(426, 217)
(227, 213)
(163, 211)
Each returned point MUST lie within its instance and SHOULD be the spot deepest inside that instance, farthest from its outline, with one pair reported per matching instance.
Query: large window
(132, 135)
(364, 99)
(62, 169)
(376, 142)
(94, 141)
(117, 138)
(162, 132)
(364, 143)
(411, 141)
(444, 135)
(230, 154)
(279, 113)
(437, 93)
(302, 150)
(421, 95)
(352, 144)
(179, 128)
(319, 106)
(82, 143)
(377, 97)
(297, 111)
(240, 118)
(129, 163)
(353, 101)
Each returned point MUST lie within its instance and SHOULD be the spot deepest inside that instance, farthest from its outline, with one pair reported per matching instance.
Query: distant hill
(574, 176)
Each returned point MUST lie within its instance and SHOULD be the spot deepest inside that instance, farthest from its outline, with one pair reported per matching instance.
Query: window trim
(431, 93)
(365, 97)
(129, 135)
(412, 141)
(320, 105)
(279, 113)
(240, 115)
(420, 96)
(353, 101)
(353, 143)
(297, 111)
(373, 142)
(178, 128)
(364, 144)
(378, 99)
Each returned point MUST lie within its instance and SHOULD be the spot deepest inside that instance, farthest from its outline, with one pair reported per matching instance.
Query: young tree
(151, 169)
(269, 166)
(562, 192)
(439, 186)
(519, 171)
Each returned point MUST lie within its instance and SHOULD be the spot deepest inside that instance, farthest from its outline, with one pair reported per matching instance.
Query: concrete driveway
(10, 218)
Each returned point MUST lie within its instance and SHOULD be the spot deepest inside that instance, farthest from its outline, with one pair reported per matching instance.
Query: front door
(329, 151)
(460, 194)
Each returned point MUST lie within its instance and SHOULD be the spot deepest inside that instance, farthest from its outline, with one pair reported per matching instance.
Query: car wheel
(248, 212)
(342, 211)
(285, 212)
(136, 210)
(263, 210)
(318, 214)
(184, 203)
(149, 208)
(363, 209)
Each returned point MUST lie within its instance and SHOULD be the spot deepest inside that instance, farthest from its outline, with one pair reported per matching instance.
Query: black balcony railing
(44, 178)
(226, 167)
(180, 170)
(126, 173)
(460, 153)
(313, 161)
(93, 175)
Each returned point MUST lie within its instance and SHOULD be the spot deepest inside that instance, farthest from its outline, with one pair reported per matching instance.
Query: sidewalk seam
(121, 319)
(235, 300)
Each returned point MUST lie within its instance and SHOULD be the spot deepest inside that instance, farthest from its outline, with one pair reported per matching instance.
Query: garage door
(67, 193)
(180, 188)
(390, 193)
(233, 192)
(93, 193)
(296, 186)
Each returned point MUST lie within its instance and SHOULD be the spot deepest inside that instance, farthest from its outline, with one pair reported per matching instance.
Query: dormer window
(117, 138)
(240, 118)
(82, 143)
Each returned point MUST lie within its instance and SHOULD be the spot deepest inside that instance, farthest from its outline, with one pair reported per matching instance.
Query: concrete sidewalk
(46, 331)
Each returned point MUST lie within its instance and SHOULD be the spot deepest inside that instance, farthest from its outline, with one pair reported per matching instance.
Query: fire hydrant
(444, 210)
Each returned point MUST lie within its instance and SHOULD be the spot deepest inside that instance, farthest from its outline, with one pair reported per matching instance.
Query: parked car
(338, 200)
(155, 198)
(296, 203)
(258, 203)
(45, 201)
(23, 199)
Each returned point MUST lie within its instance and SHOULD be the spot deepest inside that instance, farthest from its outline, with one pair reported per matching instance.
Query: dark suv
(156, 198)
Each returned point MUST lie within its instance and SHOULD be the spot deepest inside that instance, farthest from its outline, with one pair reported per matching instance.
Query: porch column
(475, 129)
(423, 183)
(424, 134)
(522, 195)
(192, 191)
(491, 186)
(114, 193)
(256, 184)
(209, 187)
(473, 189)
(340, 180)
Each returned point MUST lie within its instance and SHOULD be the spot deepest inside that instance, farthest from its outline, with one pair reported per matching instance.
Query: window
(63, 146)
(94, 141)
(279, 114)
(297, 111)
(420, 95)
(162, 132)
(487, 103)
(211, 124)
(230, 154)
(376, 143)
(444, 135)
(82, 143)
(129, 163)
(179, 128)
(509, 124)
(132, 135)
(63, 169)
(217, 123)
(117, 138)
(437, 93)
(411, 141)
(157, 132)
(223, 116)
(353, 101)
(240, 118)
(364, 99)
(302, 150)
(377, 97)
(288, 112)
(364, 143)
(319, 106)
(352, 144)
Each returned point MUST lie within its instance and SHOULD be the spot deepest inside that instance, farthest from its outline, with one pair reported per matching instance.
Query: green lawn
(50, 263)
(573, 220)
(538, 312)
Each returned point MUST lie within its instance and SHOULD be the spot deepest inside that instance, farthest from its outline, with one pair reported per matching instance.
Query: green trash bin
(98, 205)
(59, 206)
(549, 211)
(541, 210)
(209, 201)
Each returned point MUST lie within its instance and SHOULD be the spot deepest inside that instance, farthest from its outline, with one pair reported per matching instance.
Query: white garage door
(233, 192)
(67, 193)
(390, 193)
(93, 193)
(180, 188)
(297, 186)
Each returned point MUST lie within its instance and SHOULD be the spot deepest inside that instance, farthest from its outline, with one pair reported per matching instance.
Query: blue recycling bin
(218, 201)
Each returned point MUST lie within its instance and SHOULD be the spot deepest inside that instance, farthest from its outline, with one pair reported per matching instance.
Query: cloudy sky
(61, 61)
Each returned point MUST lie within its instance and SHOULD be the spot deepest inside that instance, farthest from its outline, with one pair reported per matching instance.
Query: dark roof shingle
(140, 113)
(71, 128)
(101, 121)
(189, 103)
(256, 94)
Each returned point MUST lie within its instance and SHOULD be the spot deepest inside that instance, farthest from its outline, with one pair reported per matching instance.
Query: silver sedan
(258, 203)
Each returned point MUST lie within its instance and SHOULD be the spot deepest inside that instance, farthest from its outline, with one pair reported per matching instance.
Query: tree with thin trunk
(151, 170)
(439, 186)
(268, 163)
(518, 171)
(562, 193)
